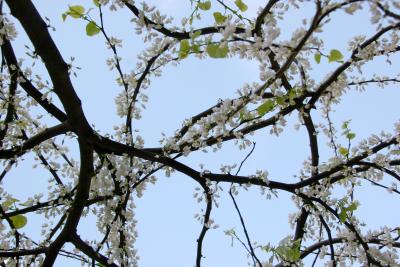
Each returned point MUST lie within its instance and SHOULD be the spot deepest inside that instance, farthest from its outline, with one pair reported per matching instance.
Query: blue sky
(166, 225)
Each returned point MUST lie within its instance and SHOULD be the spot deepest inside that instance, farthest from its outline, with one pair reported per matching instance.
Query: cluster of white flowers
(151, 13)
(115, 4)
(7, 29)
(119, 180)
(352, 8)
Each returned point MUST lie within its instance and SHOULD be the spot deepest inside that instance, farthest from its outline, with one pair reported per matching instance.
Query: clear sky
(165, 214)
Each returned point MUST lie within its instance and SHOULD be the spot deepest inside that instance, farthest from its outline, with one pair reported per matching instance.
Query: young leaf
(219, 18)
(215, 51)
(281, 100)
(196, 34)
(19, 221)
(345, 125)
(287, 251)
(343, 211)
(343, 151)
(266, 107)
(195, 48)
(267, 248)
(242, 6)
(350, 135)
(76, 11)
(8, 203)
(353, 206)
(231, 233)
(245, 116)
(317, 58)
(204, 5)
(292, 94)
(96, 3)
(294, 254)
(184, 49)
(342, 216)
(92, 29)
(335, 55)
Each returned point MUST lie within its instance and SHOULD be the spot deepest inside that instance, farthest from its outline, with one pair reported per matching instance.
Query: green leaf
(295, 251)
(343, 151)
(345, 125)
(317, 57)
(350, 136)
(195, 48)
(242, 6)
(184, 49)
(8, 203)
(204, 5)
(267, 248)
(335, 55)
(289, 253)
(216, 51)
(281, 251)
(281, 100)
(343, 210)
(353, 206)
(76, 11)
(292, 94)
(19, 221)
(96, 3)
(266, 107)
(219, 18)
(196, 34)
(92, 29)
(342, 216)
(244, 116)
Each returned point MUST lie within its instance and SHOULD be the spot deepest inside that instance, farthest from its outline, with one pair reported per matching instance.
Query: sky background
(166, 225)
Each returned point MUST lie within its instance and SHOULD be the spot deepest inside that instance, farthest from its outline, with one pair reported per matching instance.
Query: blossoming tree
(102, 175)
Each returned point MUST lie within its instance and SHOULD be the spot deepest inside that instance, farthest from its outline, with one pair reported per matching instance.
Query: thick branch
(35, 140)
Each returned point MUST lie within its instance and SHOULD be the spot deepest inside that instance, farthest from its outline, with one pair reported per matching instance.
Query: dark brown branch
(374, 81)
(42, 158)
(312, 136)
(86, 173)
(352, 161)
(387, 12)
(11, 59)
(252, 253)
(383, 169)
(262, 15)
(10, 101)
(175, 34)
(35, 140)
(142, 77)
(328, 232)
(90, 252)
(349, 225)
(22, 252)
(37, 31)
(279, 73)
(333, 77)
(206, 225)
(336, 240)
